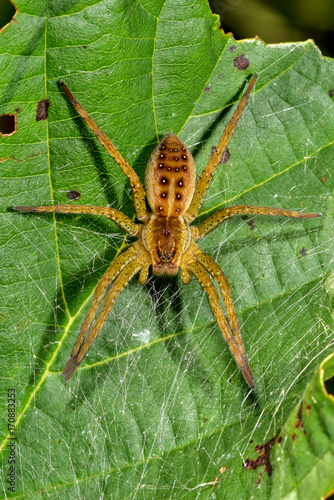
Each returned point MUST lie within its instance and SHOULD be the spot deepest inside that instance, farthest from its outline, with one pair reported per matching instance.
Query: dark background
(276, 21)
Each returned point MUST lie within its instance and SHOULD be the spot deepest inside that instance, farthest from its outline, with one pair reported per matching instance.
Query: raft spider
(166, 240)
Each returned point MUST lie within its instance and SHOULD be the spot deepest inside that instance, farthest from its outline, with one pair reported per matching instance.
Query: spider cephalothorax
(166, 241)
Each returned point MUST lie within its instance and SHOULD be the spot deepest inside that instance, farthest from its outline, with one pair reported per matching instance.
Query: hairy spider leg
(82, 345)
(204, 280)
(217, 274)
(113, 270)
(122, 220)
(136, 255)
(138, 192)
(207, 174)
(214, 220)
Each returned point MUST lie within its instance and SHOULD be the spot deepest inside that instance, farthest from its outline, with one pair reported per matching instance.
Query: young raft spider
(166, 240)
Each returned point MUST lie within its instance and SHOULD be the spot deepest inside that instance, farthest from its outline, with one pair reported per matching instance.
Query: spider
(166, 240)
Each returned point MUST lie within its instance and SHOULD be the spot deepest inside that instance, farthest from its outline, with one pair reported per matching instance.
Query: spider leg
(220, 216)
(113, 270)
(138, 192)
(122, 220)
(238, 353)
(125, 266)
(207, 174)
(211, 266)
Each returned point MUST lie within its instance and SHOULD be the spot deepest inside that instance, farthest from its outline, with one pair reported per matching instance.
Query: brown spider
(166, 241)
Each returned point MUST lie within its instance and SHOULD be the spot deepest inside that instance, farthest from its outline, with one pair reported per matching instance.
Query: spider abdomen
(170, 177)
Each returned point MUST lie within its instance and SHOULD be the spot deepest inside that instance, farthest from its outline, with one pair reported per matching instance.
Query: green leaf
(158, 407)
(304, 453)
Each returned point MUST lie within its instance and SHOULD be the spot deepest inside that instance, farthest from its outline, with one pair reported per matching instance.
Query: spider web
(159, 409)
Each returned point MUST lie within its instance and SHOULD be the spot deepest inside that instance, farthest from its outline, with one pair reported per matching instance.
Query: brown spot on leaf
(215, 482)
(279, 439)
(331, 93)
(73, 195)
(232, 48)
(262, 459)
(84, 46)
(299, 423)
(308, 408)
(251, 224)
(258, 481)
(241, 62)
(221, 471)
(225, 156)
(7, 125)
(293, 437)
(42, 110)
(302, 251)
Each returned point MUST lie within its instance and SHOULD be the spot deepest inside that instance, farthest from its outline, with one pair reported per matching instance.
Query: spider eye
(172, 254)
(159, 253)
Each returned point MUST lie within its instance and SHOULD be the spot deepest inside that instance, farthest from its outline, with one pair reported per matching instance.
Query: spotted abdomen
(170, 177)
